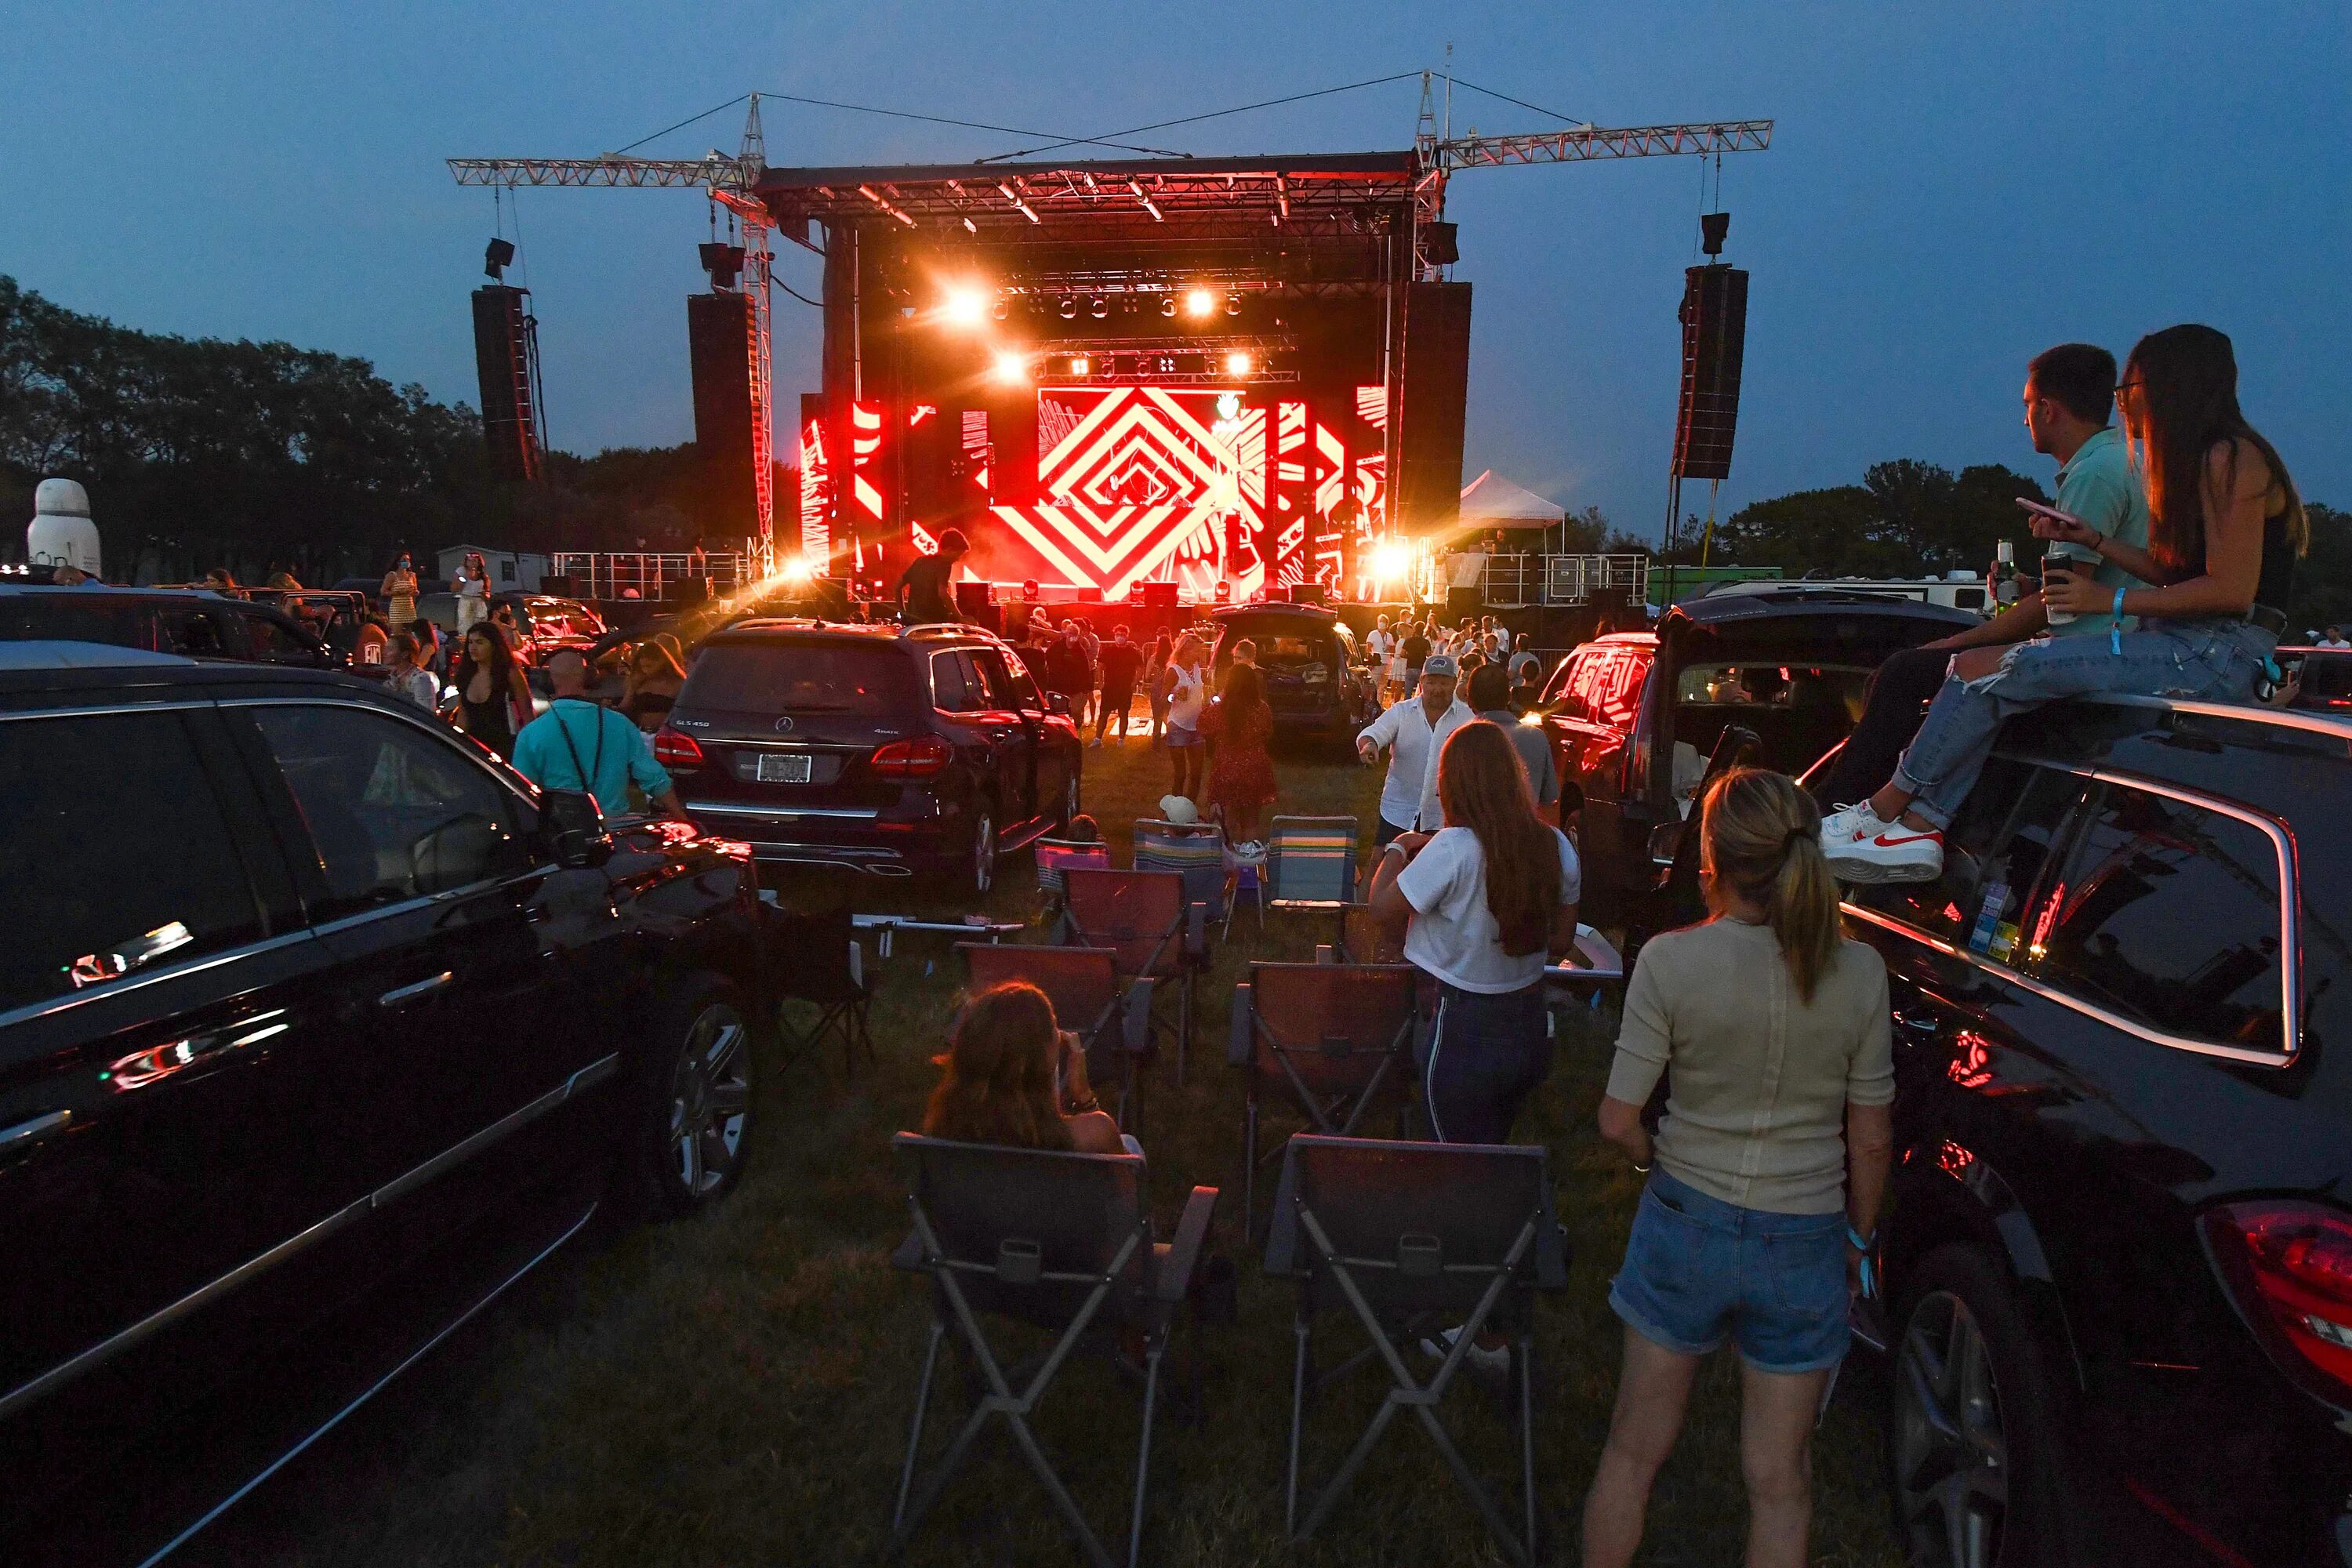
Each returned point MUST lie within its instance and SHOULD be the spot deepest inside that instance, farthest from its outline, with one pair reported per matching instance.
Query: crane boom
(715, 171)
(1589, 142)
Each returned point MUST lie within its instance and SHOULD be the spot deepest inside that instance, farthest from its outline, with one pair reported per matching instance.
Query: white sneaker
(1495, 1364)
(1893, 854)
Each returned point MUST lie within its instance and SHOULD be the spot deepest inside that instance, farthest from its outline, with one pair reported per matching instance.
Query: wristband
(2116, 626)
(1858, 1241)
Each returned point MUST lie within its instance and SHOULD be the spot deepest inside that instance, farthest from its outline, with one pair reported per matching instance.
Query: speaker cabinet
(718, 338)
(506, 363)
(1715, 327)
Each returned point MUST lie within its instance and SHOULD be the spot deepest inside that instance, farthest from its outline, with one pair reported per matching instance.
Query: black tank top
(488, 721)
(2276, 585)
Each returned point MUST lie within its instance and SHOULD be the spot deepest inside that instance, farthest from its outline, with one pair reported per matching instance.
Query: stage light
(1001, 308)
(800, 569)
(1391, 559)
(1233, 304)
(1011, 368)
(1080, 365)
(1100, 308)
(1069, 308)
(1168, 304)
(964, 306)
(1199, 302)
(1237, 364)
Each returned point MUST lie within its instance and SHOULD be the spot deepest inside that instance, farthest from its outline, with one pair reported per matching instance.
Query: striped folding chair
(1310, 864)
(1196, 852)
(1055, 856)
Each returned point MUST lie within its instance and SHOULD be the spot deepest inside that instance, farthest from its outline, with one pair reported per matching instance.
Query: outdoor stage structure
(1220, 380)
(1206, 378)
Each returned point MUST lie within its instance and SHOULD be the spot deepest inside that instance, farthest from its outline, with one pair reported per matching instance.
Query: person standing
(1185, 687)
(926, 594)
(1122, 661)
(580, 743)
(2070, 391)
(472, 586)
(1241, 777)
(2331, 639)
(1489, 692)
(1091, 708)
(399, 589)
(1417, 647)
(1767, 1175)
(650, 682)
(1413, 733)
(1161, 647)
(407, 677)
(493, 700)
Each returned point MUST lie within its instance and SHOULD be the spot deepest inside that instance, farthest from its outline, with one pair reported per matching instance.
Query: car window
(75, 615)
(1009, 682)
(393, 813)
(2170, 914)
(267, 642)
(952, 692)
(1994, 855)
(1618, 693)
(117, 857)
(200, 633)
(763, 675)
(1559, 694)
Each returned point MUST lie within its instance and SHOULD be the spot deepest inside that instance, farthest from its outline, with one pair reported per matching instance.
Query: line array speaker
(506, 363)
(1715, 327)
(1432, 393)
(719, 340)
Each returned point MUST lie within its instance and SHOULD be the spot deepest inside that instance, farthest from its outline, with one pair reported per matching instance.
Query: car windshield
(1798, 710)
(766, 676)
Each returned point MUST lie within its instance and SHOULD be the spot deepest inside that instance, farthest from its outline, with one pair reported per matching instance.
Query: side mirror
(572, 825)
(1058, 703)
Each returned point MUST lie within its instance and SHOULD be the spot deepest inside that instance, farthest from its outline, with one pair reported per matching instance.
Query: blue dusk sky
(1950, 188)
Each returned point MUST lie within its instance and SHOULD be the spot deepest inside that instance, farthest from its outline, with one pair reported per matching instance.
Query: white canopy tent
(1491, 500)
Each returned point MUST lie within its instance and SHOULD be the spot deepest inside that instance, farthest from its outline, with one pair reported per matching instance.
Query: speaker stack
(506, 363)
(1715, 327)
(719, 340)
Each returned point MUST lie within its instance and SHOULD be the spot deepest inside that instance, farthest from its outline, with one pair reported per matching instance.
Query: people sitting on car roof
(1012, 1076)
(2225, 526)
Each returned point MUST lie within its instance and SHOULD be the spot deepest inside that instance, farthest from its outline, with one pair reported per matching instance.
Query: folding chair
(1055, 854)
(1061, 1241)
(816, 959)
(1334, 1037)
(1310, 864)
(1412, 1238)
(1196, 852)
(1365, 938)
(1145, 917)
(1082, 982)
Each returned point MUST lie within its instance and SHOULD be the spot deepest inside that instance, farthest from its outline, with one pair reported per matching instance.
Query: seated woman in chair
(1014, 1077)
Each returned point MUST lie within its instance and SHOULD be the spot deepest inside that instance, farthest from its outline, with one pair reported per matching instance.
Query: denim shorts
(1180, 738)
(1699, 1270)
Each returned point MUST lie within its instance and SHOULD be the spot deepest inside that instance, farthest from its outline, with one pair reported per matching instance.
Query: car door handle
(401, 996)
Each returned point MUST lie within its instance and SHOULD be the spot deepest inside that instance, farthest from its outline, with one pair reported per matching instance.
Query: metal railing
(611, 573)
(1512, 582)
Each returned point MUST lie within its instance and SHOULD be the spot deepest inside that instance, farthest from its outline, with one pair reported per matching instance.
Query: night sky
(1950, 188)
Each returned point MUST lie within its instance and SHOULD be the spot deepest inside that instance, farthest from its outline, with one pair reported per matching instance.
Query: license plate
(784, 768)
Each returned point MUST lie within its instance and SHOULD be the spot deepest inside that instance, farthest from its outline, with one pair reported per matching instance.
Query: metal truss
(713, 170)
(1593, 143)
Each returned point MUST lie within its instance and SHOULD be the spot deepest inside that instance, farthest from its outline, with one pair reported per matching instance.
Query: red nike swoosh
(1886, 843)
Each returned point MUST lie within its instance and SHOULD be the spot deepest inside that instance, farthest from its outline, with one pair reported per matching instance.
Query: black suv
(1306, 656)
(318, 1026)
(1636, 717)
(881, 749)
(193, 622)
(2118, 1256)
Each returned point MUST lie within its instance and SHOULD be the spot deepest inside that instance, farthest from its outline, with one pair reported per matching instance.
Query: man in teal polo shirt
(2070, 392)
(581, 744)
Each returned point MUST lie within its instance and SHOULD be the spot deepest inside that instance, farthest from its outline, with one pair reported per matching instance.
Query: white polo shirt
(1409, 796)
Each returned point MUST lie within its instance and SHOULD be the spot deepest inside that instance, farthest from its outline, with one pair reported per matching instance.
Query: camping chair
(1059, 1240)
(1055, 854)
(816, 959)
(1082, 982)
(1145, 918)
(1196, 852)
(1412, 1238)
(1310, 864)
(1365, 938)
(1332, 1035)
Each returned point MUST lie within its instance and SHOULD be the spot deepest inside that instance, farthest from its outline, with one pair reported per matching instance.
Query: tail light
(2290, 1265)
(677, 751)
(917, 759)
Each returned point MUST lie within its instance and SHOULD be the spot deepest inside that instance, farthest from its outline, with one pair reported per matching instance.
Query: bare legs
(1187, 769)
(1776, 1426)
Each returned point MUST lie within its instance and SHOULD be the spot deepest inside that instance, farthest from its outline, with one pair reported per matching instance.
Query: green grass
(735, 1389)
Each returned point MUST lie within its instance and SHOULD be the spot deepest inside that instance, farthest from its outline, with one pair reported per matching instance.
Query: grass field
(736, 1389)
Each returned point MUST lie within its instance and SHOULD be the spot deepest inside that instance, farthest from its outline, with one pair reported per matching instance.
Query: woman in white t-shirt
(1186, 684)
(1484, 935)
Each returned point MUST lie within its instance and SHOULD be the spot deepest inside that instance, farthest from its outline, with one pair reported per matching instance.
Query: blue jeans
(1486, 1056)
(2215, 660)
(1699, 1270)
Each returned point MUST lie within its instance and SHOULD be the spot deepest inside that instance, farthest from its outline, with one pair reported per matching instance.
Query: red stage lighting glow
(1011, 368)
(964, 305)
(1237, 364)
(1200, 303)
(1080, 365)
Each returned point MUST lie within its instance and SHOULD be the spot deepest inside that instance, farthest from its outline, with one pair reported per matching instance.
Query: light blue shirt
(579, 745)
(2099, 485)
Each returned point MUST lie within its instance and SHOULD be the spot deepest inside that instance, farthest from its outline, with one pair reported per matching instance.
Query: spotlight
(1000, 309)
(1011, 368)
(1233, 304)
(1168, 304)
(1238, 364)
(1199, 302)
(1069, 308)
(1080, 364)
(1390, 560)
(1100, 308)
(964, 306)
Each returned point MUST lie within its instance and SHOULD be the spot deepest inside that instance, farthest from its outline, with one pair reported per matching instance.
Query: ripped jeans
(2213, 659)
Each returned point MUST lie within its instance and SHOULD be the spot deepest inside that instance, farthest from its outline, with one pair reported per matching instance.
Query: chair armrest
(1174, 1277)
(1241, 1033)
(910, 1253)
(1196, 931)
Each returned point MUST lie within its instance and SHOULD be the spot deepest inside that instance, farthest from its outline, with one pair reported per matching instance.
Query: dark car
(2118, 1253)
(318, 1027)
(1306, 655)
(192, 623)
(880, 749)
(1633, 718)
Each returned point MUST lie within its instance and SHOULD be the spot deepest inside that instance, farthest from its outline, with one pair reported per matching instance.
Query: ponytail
(1762, 836)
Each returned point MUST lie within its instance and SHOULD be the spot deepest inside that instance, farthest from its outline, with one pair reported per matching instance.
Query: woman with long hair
(493, 699)
(1491, 896)
(1011, 1076)
(2225, 526)
(1241, 778)
(1184, 686)
(650, 682)
(1750, 1227)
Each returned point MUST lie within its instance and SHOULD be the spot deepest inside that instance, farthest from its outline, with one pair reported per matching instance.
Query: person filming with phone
(2069, 393)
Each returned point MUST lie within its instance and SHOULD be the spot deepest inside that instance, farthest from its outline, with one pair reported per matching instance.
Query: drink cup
(2059, 559)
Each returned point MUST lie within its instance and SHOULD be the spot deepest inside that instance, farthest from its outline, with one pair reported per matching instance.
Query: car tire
(693, 1125)
(1972, 1427)
(979, 870)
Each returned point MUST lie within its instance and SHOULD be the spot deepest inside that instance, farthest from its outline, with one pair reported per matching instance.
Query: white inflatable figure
(61, 532)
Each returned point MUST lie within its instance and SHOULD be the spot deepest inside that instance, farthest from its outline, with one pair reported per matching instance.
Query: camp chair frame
(1049, 881)
(1278, 851)
(1224, 882)
(1089, 1013)
(1272, 1053)
(803, 970)
(1420, 1286)
(1139, 1289)
(1176, 954)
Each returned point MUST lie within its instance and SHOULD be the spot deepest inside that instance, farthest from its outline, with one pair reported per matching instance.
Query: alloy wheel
(711, 1099)
(983, 853)
(1951, 1451)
